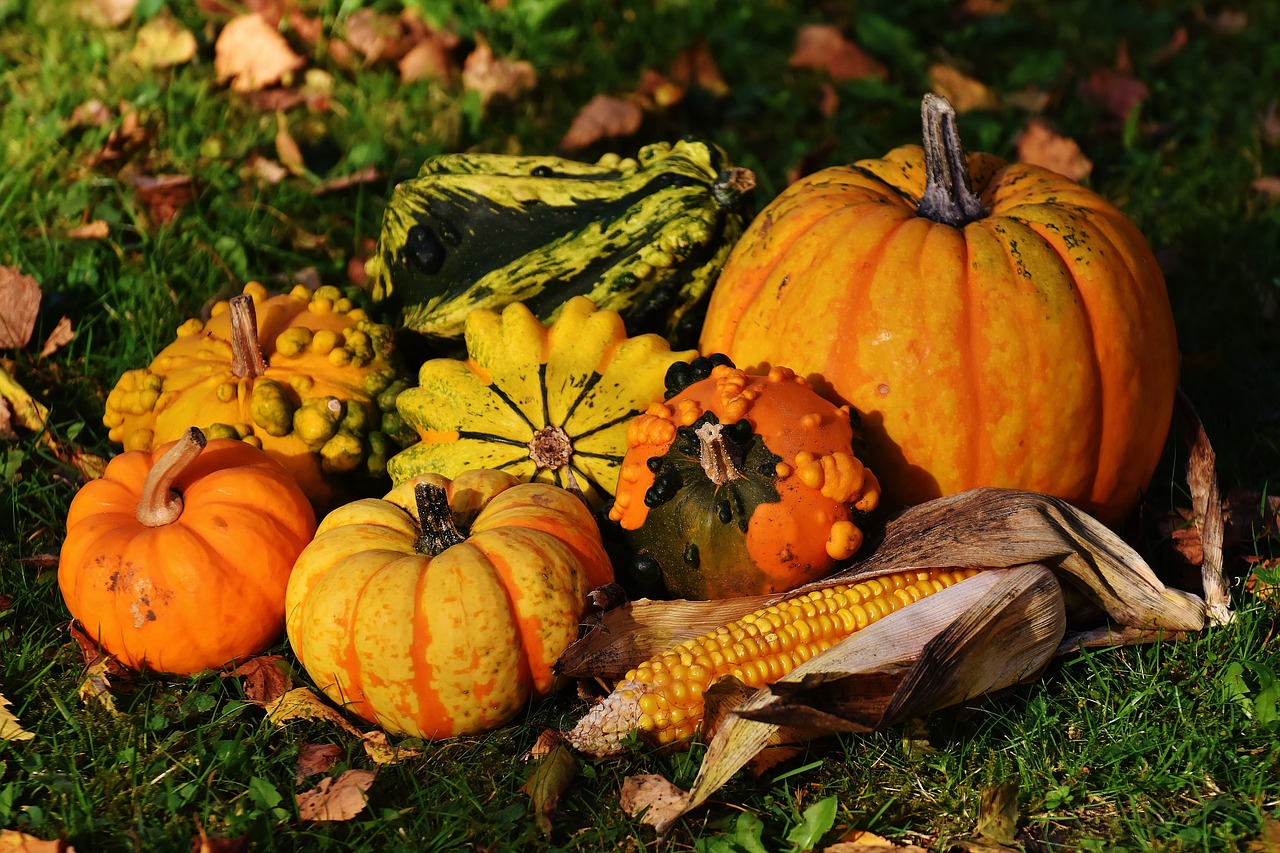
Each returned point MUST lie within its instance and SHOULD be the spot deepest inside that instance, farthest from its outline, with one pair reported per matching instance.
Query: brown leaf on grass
(336, 798)
(547, 783)
(128, 137)
(19, 303)
(657, 91)
(694, 67)
(13, 841)
(1268, 840)
(96, 686)
(982, 8)
(90, 113)
(61, 335)
(309, 29)
(964, 92)
(1175, 45)
(301, 704)
(163, 42)
(367, 175)
(106, 13)
(428, 59)
(375, 35)
(998, 812)
(264, 678)
(26, 411)
(163, 196)
(252, 54)
(862, 841)
(824, 48)
(1116, 92)
(1269, 185)
(379, 748)
(263, 171)
(316, 758)
(660, 801)
(548, 740)
(95, 229)
(602, 116)
(1039, 145)
(6, 601)
(287, 148)
(205, 843)
(9, 728)
(491, 77)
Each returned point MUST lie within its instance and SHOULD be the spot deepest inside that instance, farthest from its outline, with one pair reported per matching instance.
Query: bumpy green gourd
(306, 376)
(645, 237)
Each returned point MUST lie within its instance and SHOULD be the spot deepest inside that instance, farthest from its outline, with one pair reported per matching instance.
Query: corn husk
(1054, 580)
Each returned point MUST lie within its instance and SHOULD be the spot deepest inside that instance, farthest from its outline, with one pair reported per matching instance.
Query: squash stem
(948, 197)
(160, 503)
(714, 452)
(437, 532)
(246, 349)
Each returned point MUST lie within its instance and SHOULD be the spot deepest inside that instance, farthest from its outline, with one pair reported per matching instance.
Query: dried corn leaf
(1206, 500)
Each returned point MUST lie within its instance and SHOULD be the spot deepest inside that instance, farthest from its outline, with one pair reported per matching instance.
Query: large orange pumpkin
(996, 324)
(440, 609)
(177, 560)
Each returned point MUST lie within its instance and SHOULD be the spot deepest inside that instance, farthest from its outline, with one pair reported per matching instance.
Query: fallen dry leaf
(491, 77)
(205, 843)
(602, 116)
(128, 137)
(96, 687)
(549, 780)
(658, 92)
(163, 42)
(1175, 45)
(861, 841)
(658, 799)
(367, 175)
(336, 798)
(96, 229)
(1268, 840)
(548, 740)
(287, 148)
(1115, 91)
(695, 67)
(379, 748)
(106, 13)
(61, 335)
(252, 54)
(375, 35)
(964, 92)
(301, 704)
(824, 48)
(12, 841)
(1268, 185)
(998, 812)
(264, 678)
(428, 59)
(316, 758)
(982, 8)
(91, 113)
(9, 728)
(164, 196)
(309, 29)
(1206, 505)
(19, 304)
(1041, 146)
(263, 171)
(26, 411)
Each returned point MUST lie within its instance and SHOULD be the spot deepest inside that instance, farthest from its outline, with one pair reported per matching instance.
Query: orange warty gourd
(177, 560)
(440, 609)
(996, 324)
(740, 484)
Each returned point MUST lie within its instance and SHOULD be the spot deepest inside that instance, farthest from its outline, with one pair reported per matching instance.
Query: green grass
(1171, 747)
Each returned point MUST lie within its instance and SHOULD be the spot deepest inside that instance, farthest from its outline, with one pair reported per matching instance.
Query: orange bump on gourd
(741, 484)
(662, 697)
(440, 609)
(1018, 334)
(177, 560)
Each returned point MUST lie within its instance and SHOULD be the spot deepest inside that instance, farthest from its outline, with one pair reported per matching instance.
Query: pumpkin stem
(948, 197)
(437, 533)
(714, 452)
(160, 503)
(551, 448)
(246, 349)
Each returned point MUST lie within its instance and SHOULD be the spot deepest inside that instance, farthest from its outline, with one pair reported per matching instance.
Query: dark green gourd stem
(948, 197)
(437, 532)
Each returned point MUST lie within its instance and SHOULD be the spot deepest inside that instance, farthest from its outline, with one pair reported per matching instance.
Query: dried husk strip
(1049, 567)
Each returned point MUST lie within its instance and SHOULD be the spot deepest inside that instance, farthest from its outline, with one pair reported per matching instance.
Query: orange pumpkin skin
(822, 488)
(456, 642)
(1031, 348)
(201, 591)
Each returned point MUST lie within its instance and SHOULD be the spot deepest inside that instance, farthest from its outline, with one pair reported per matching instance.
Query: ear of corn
(662, 697)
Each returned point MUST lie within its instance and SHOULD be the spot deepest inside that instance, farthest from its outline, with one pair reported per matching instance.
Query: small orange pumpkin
(177, 560)
(1011, 332)
(740, 484)
(410, 623)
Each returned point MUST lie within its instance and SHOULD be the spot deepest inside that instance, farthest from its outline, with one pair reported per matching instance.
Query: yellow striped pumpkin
(440, 609)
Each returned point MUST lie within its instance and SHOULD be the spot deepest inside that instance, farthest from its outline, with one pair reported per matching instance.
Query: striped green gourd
(645, 237)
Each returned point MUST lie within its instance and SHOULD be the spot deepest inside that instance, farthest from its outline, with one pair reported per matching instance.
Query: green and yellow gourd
(542, 403)
(645, 237)
(304, 375)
